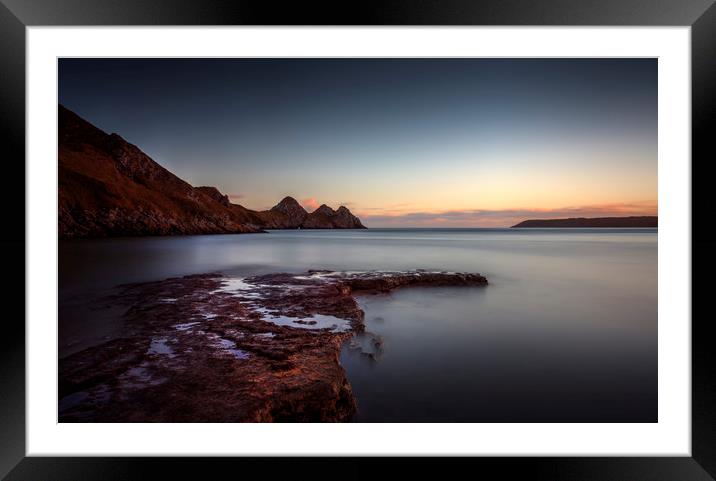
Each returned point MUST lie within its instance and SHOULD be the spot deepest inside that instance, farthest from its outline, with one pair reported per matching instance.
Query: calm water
(566, 330)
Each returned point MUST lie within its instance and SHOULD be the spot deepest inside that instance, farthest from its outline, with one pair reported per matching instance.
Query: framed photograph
(455, 231)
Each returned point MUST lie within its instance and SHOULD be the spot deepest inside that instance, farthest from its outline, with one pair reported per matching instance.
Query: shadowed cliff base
(632, 221)
(109, 187)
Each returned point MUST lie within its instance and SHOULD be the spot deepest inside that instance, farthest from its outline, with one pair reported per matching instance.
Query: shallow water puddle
(185, 327)
(140, 376)
(227, 345)
(316, 321)
(159, 346)
(238, 288)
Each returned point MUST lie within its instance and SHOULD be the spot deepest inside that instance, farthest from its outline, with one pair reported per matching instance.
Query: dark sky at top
(387, 136)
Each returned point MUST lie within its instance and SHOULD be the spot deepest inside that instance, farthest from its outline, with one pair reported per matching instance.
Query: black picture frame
(16, 15)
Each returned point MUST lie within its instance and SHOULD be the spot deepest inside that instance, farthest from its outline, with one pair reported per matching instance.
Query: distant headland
(109, 188)
(633, 221)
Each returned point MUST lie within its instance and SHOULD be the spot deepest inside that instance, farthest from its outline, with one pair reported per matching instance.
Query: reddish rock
(211, 349)
(214, 193)
(293, 212)
(287, 214)
(326, 218)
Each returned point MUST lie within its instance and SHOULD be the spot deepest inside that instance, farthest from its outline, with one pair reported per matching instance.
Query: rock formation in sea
(326, 218)
(632, 221)
(287, 214)
(209, 348)
(109, 187)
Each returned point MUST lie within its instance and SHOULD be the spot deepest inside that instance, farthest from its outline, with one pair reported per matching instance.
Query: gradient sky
(401, 142)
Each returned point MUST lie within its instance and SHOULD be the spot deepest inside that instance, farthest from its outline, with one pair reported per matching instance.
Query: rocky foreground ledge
(207, 348)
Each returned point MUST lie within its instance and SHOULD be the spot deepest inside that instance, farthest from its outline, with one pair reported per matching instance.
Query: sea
(566, 330)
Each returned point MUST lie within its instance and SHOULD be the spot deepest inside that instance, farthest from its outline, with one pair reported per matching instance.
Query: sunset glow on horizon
(400, 142)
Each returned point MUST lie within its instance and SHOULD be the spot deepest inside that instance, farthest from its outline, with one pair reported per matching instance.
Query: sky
(468, 142)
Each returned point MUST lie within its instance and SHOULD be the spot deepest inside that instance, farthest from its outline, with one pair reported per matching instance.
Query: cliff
(287, 214)
(642, 221)
(326, 218)
(109, 187)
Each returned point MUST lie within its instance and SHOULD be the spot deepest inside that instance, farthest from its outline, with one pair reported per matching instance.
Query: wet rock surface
(207, 348)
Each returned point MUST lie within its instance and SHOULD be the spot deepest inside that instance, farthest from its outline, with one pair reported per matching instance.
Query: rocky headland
(109, 187)
(210, 348)
(632, 221)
